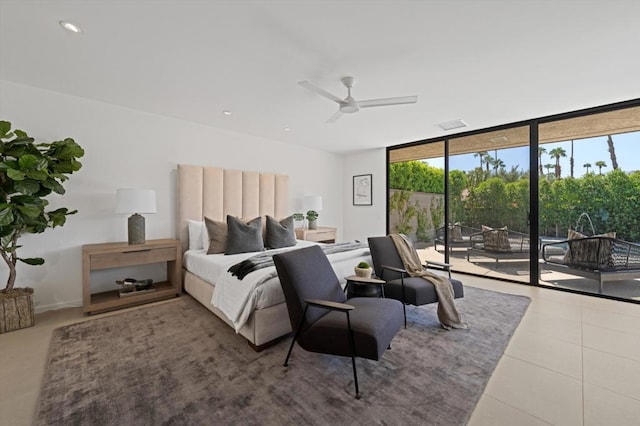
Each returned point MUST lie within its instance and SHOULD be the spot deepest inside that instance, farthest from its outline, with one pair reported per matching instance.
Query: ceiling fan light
(349, 105)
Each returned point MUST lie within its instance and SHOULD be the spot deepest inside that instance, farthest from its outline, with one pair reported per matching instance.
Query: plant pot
(313, 224)
(363, 272)
(16, 309)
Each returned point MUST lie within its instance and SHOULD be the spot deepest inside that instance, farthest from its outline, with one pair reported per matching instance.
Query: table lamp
(136, 201)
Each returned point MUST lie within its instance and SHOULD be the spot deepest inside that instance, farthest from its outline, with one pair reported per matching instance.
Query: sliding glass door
(488, 206)
(416, 195)
(590, 187)
(553, 201)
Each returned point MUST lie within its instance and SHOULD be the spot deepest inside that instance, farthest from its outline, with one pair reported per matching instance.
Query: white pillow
(198, 235)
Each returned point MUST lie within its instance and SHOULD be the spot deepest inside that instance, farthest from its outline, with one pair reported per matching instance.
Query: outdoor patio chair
(500, 244)
(458, 234)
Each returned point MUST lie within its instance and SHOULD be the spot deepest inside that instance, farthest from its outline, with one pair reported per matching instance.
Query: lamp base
(136, 229)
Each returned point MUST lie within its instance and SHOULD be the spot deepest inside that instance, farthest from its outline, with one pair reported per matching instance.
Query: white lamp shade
(136, 201)
(312, 202)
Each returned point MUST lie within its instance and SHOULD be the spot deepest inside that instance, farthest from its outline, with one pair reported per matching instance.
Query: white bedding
(260, 289)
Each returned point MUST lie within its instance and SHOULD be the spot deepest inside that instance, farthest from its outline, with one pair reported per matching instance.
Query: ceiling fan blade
(335, 117)
(308, 85)
(388, 101)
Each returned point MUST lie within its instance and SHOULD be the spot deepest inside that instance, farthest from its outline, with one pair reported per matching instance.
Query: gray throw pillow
(217, 236)
(280, 234)
(244, 237)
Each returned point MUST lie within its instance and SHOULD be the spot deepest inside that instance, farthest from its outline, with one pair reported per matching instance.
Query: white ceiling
(486, 62)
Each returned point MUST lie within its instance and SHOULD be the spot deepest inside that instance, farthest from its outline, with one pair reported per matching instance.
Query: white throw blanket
(238, 298)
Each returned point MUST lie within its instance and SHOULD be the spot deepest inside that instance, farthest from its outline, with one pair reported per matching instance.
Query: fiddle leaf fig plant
(29, 172)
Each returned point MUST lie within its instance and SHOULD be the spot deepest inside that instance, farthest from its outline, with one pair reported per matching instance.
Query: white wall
(361, 222)
(129, 148)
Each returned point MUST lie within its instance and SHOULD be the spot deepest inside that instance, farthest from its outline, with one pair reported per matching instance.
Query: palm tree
(488, 160)
(497, 164)
(587, 165)
(600, 164)
(557, 153)
(571, 159)
(481, 155)
(548, 166)
(612, 152)
(540, 152)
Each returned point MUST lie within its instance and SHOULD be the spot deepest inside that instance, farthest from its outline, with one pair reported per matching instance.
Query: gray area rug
(176, 363)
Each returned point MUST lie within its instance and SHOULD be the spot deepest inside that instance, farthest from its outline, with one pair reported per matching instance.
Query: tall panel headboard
(215, 193)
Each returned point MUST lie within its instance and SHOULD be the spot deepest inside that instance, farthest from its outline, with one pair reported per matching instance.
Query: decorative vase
(313, 224)
(16, 310)
(363, 272)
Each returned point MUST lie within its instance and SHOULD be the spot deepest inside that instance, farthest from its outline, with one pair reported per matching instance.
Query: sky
(590, 150)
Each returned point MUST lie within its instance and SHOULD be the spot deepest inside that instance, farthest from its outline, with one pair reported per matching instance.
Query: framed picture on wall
(362, 190)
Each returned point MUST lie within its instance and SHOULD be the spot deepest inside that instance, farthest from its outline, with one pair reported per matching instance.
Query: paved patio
(518, 270)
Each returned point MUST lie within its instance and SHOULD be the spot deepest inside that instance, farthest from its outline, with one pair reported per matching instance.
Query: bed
(253, 307)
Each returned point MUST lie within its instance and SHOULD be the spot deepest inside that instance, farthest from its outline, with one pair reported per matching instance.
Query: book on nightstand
(133, 287)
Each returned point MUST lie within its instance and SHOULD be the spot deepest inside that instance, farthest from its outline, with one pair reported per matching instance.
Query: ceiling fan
(349, 104)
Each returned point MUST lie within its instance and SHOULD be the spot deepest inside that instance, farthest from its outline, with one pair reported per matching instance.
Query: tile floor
(574, 360)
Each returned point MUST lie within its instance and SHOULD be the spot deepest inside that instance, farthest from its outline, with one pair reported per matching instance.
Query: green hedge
(611, 200)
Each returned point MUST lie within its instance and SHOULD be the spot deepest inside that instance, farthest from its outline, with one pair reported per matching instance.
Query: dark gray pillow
(280, 234)
(243, 237)
(217, 236)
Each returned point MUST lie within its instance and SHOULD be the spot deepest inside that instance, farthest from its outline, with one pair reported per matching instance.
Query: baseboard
(54, 306)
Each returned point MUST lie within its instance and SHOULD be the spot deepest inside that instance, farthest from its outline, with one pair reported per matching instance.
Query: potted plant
(312, 217)
(298, 218)
(29, 172)
(363, 270)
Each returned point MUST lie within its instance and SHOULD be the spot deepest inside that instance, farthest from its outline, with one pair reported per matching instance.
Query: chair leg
(404, 304)
(295, 336)
(404, 312)
(353, 356)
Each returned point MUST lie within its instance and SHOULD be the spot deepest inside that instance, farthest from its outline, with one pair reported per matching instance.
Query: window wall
(416, 194)
(488, 203)
(590, 186)
(501, 202)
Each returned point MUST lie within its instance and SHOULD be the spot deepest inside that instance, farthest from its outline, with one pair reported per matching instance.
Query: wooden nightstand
(320, 235)
(117, 255)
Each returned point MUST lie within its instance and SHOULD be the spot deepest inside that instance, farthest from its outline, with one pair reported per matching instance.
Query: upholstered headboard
(215, 193)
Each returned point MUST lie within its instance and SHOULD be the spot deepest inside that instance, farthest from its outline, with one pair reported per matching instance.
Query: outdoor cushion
(496, 239)
(590, 252)
(456, 232)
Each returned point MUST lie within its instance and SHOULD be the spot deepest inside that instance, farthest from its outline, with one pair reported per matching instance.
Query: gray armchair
(324, 320)
(388, 266)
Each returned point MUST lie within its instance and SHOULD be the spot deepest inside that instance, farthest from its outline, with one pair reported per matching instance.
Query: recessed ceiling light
(450, 125)
(287, 129)
(226, 112)
(72, 28)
